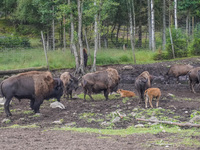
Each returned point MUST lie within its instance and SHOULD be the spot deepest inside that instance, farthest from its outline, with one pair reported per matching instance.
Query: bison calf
(70, 83)
(151, 93)
(125, 93)
(33, 85)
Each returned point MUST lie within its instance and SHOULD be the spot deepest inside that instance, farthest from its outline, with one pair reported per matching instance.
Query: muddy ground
(177, 104)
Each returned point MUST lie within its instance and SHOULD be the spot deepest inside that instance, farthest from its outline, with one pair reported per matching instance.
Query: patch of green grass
(28, 112)
(19, 126)
(97, 97)
(127, 131)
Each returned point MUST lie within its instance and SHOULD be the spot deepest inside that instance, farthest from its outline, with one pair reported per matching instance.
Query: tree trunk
(53, 31)
(164, 27)
(72, 44)
(187, 23)
(175, 14)
(86, 41)
(81, 66)
(149, 24)
(153, 25)
(99, 33)
(140, 28)
(93, 69)
(131, 29)
(64, 35)
(170, 33)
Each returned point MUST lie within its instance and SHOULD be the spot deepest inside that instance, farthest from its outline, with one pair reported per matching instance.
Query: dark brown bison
(143, 82)
(70, 83)
(33, 85)
(177, 70)
(96, 82)
(194, 77)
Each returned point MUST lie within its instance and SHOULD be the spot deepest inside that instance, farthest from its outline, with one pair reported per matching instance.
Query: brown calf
(151, 93)
(125, 93)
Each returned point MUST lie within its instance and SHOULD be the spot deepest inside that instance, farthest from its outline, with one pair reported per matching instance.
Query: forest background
(112, 31)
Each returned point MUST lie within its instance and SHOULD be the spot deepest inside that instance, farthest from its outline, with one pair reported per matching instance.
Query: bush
(180, 44)
(14, 42)
(195, 47)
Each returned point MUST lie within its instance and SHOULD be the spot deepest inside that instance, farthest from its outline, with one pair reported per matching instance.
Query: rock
(5, 120)
(186, 112)
(139, 126)
(105, 123)
(2, 100)
(195, 119)
(153, 118)
(169, 95)
(57, 122)
(57, 105)
(117, 119)
(127, 67)
(133, 114)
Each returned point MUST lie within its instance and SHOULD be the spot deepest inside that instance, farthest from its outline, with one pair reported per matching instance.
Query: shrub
(14, 42)
(180, 44)
(195, 47)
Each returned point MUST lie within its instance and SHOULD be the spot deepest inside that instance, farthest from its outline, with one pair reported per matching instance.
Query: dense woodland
(168, 27)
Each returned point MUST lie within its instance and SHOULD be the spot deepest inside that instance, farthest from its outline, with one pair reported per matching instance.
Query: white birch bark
(64, 34)
(53, 31)
(164, 26)
(153, 25)
(149, 24)
(133, 34)
(81, 67)
(175, 14)
(93, 69)
(72, 44)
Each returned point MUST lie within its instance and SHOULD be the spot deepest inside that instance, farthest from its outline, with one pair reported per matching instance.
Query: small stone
(139, 126)
(57, 105)
(57, 122)
(5, 120)
(127, 67)
(186, 112)
(117, 119)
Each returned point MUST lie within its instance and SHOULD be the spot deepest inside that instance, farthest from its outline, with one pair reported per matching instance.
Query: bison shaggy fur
(96, 82)
(33, 85)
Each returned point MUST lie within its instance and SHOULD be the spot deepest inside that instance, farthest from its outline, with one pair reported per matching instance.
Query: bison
(143, 82)
(151, 93)
(33, 85)
(125, 93)
(177, 70)
(96, 82)
(194, 77)
(70, 83)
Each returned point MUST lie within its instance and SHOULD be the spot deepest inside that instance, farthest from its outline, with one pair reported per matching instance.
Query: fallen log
(16, 71)
(187, 124)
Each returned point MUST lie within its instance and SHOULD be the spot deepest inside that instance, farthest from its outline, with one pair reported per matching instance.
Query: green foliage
(195, 47)
(14, 42)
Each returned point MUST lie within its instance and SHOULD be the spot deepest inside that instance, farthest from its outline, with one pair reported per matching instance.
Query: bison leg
(157, 101)
(150, 101)
(6, 107)
(106, 92)
(32, 104)
(192, 84)
(89, 93)
(37, 106)
(146, 101)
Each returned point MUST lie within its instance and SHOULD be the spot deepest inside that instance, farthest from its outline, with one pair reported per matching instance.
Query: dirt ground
(177, 104)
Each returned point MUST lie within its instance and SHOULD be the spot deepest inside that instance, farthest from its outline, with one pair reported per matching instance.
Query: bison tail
(84, 82)
(1, 90)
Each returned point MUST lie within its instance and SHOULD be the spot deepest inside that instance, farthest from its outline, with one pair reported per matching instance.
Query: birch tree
(72, 42)
(81, 66)
(149, 24)
(164, 25)
(152, 26)
(95, 41)
(175, 14)
(132, 29)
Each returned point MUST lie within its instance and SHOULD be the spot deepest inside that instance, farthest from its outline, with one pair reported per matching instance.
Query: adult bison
(33, 85)
(177, 70)
(70, 83)
(143, 82)
(194, 77)
(96, 82)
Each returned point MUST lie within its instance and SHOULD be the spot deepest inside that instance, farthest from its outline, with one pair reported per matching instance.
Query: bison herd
(38, 86)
